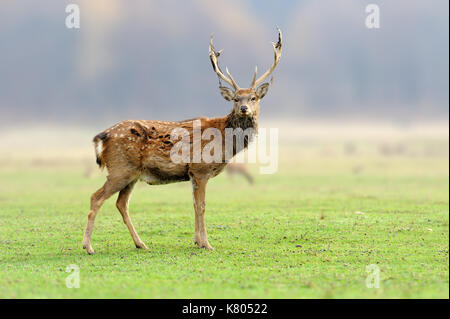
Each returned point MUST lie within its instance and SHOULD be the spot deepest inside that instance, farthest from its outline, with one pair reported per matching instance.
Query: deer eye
(236, 100)
(253, 98)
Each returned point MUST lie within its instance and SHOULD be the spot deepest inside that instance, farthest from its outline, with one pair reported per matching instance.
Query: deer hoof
(205, 246)
(89, 249)
(141, 246)
(208, 247)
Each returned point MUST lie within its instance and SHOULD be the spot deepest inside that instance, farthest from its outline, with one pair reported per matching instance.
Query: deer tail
(99, 143)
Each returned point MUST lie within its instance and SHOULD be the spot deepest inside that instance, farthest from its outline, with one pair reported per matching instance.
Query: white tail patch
(98, 148)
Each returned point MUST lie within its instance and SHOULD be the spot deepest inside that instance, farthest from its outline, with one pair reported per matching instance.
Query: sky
(148, 59)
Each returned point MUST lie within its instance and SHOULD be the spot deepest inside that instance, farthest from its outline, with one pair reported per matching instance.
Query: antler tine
(213, 55)
(254, 77)
(277, 49)
(236, 87)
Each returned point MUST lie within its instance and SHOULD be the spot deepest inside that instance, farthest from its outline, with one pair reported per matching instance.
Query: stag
(139, 150)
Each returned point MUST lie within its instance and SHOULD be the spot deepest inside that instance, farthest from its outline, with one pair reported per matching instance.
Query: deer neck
(236, 121)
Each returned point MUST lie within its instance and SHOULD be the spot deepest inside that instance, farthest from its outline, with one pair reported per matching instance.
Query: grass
(308, 231)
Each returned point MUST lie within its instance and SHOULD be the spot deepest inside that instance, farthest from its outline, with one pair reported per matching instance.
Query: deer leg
(199, 188)
(111, 186)
(248, 177)
(122, 206)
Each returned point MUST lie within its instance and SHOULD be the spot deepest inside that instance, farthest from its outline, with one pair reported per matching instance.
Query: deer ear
(227, 93)
(262, 90)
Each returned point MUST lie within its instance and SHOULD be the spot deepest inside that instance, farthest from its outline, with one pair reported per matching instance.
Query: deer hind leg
(122, 206)
(199, 188)
(111, 186)
(248, 177)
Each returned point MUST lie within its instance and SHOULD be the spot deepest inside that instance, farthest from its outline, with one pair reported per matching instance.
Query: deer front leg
(199, 188)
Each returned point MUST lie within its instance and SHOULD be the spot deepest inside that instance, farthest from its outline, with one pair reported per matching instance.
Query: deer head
(246, 100)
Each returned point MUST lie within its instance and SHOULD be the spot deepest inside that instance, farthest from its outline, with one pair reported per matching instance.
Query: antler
(277, 55)
(213, 55)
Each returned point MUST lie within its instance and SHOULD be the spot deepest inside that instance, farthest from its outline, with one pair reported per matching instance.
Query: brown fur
(146, 145)
(138, 149)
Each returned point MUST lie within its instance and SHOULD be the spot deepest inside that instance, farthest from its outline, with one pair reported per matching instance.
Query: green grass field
(308, 231)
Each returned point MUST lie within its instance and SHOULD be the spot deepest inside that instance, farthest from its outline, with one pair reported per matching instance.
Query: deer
(139, 150)
(239, 169)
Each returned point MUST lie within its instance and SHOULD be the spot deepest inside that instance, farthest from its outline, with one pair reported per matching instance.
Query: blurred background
(363, 166)
(149, 60)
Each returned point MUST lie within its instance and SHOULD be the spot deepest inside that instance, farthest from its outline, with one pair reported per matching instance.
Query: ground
(308, 231)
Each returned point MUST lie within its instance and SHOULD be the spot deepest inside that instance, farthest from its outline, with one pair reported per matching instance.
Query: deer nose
(244, 108)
